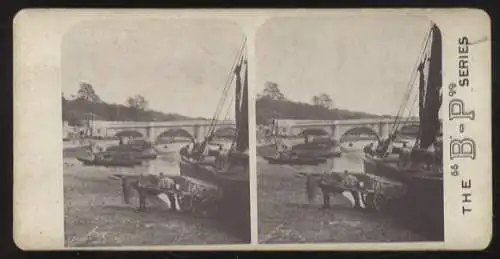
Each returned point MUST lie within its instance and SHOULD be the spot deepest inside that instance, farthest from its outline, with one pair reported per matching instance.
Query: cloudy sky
(363, 62)
(177, 65)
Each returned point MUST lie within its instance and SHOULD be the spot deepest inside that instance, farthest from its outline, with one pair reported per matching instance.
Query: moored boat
(315, 148)
(107, 158)
(419, 167)
(139, 150)
(228, 171)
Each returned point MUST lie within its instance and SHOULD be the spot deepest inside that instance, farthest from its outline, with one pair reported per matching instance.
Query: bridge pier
(196, 132)
(383, 130)
(335, 136)
(148, 132)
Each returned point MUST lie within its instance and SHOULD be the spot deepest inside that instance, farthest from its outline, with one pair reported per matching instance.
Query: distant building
(68, 131)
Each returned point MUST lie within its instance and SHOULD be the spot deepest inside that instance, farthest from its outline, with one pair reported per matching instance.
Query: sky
(364, 63)
(179, 66)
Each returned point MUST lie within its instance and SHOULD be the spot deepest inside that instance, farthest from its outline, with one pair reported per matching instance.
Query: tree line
(86, 104)
(272, 103)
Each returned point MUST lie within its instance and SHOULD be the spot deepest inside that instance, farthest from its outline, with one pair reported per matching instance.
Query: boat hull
(146, 156)
(423, 196)
(295, 161)
(136, 152)
(315, 151)
(112, 162)
(234, 206)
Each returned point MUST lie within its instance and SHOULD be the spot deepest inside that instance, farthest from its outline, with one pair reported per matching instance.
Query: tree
(316, 100)
(273, 91)
(323, 100)
(87, 92)
(137, 102)
(73, 120)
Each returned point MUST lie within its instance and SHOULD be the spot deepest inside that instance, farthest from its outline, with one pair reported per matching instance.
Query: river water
(351, 159)
(167, 162)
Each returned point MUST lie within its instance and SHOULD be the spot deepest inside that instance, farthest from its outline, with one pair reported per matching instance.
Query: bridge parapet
(291, 122)
(338, 128)
(152, 130)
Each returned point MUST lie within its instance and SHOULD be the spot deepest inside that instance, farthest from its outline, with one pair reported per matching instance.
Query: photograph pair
(330, 127)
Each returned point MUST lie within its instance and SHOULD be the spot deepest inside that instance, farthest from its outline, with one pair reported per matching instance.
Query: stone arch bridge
(196, 129)
(337, 129)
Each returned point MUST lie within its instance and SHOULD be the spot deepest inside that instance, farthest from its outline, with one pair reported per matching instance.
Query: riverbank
(96, 215)
(286, 216)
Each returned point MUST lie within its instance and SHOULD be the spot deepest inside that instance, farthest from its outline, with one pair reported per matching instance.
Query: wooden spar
(430, 98)
(242, 127)
(237, 100)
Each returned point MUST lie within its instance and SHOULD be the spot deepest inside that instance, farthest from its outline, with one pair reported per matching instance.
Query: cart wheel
(378, 202)
(369, 201)
(365, 200)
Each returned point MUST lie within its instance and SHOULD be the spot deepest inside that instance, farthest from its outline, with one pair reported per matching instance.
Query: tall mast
(243, 127)
(429, 91)
(237, 99)
(241, 106)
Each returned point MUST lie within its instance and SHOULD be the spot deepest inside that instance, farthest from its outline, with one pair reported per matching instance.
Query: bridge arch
(172, 134)
(129, 134)
(317, 131)
(316, 135)
(357, 132)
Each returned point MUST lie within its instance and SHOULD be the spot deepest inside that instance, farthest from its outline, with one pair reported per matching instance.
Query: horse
(148, 186)
(330, 184)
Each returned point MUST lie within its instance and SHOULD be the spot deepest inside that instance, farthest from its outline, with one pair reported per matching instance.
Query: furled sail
(242, 127)
(241, 106)
(237, 99)
(430, 98)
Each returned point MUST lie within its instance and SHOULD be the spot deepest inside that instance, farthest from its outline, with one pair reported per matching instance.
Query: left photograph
(155, 123)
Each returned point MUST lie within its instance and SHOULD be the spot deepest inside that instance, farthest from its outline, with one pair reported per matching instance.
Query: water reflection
(168, 159)
(351, 160)
(167, 164)
(352, 156)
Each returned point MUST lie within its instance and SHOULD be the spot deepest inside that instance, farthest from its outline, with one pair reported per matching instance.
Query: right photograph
(349, 132)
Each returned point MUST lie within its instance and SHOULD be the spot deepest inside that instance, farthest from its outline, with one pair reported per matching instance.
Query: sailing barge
(229, 172)
(217, 188)
(407, 180)
(111, 159)
(420, 167)
(123, 155)
(309, 152)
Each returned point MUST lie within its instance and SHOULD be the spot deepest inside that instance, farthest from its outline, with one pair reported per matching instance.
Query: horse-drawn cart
(178, 193)
(368, 191)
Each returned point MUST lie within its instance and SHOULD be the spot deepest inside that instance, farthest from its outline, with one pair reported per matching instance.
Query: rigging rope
(226, 88)
(225, 96)
(229, 108)
(219, 106)
(408, 117)
(411, 82)
(414, 71)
